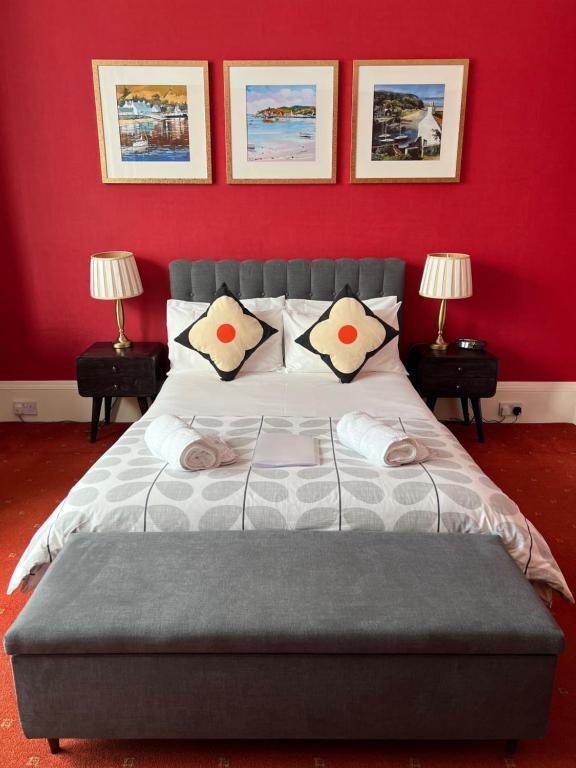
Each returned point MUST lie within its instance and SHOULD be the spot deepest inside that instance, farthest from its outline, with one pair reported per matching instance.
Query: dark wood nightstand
(463, 373)
(104, 373)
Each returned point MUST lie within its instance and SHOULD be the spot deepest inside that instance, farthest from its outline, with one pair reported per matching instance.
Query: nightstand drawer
(466, 387)
(111, 369)
(139, 372)
(119, 386)
(455, 370)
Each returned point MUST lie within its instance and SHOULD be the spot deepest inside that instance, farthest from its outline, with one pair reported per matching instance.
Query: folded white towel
(380, 444)
(174, 440)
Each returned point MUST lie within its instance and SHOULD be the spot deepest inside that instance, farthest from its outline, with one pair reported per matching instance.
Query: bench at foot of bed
(280, 635)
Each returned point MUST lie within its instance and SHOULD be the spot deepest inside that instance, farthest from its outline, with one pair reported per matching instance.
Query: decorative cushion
(268, 357)
(346, 335)
(226, 334)
(298, 316)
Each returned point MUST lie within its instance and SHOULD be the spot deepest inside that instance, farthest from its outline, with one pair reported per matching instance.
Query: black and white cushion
(346, 335)
(226, 334)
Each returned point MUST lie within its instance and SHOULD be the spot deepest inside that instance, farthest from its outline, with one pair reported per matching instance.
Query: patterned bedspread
(128, 489)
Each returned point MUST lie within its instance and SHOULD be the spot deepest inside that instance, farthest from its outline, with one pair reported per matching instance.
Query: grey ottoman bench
(280, 635)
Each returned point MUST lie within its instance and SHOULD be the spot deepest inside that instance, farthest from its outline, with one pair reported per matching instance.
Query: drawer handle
(115, 386)
(460, 369)
(114, 369)
(458, 386)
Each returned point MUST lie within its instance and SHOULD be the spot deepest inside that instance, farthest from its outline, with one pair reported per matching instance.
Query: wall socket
(25, 407)
(510, 409)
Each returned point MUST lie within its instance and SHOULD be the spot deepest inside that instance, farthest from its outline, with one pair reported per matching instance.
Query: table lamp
(446, 276)
(114, 275)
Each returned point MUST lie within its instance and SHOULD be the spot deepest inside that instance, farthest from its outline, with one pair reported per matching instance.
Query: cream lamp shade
(446, 276)
(114, 275)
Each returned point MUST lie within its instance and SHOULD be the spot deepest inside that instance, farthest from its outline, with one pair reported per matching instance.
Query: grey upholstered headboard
(295, 278)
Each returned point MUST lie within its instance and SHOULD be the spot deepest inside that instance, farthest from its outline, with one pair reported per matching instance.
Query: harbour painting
(281, 122)
(153, 123)
(407, 122)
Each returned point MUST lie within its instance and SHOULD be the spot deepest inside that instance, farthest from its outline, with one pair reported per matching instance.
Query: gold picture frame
(180, 153)
(282, 154)
(390, 95)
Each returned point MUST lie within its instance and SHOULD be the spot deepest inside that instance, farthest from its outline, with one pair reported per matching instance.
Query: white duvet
(129, 489)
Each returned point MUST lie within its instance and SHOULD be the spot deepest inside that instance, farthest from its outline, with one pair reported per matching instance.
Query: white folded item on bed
(379, 444)
(182, 447)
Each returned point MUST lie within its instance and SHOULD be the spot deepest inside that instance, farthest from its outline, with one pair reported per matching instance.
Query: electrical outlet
(25, 407)
(510, 409)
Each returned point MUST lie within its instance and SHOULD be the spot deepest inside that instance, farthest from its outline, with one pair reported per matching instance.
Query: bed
(128, 489)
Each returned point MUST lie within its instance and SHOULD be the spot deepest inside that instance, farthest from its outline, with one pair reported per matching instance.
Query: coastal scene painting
(281, 122)
(407, 122)
(153, 123)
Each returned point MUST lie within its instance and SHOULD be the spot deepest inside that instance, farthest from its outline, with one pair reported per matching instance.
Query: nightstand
(467, 374)
(104, 373)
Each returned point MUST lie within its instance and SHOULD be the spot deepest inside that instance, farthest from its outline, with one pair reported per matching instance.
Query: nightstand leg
(431, 403)
(143, 403)
(464, 401)
(96, 407)
(107, 409)
(477, 410)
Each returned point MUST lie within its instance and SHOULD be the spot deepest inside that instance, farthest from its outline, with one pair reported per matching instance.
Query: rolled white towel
(226, 455)
(174, 440)
(380, 444)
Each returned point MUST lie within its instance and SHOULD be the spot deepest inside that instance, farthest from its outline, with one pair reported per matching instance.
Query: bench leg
(511, 746)
(54, 745)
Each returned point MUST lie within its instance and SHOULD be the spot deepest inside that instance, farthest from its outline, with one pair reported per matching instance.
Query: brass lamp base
(122, 342)
(440, 345)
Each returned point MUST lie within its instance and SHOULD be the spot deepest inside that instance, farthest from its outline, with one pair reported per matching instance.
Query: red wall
(513, 211)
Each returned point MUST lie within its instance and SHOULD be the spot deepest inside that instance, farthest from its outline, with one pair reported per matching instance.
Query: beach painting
(407, 122)
(153, 123)
(281, 123)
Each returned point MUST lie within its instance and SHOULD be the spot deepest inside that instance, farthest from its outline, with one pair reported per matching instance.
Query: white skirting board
(542, 401)
(58, 401)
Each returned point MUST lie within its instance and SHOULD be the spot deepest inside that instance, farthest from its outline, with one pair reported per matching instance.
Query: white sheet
(287, 394)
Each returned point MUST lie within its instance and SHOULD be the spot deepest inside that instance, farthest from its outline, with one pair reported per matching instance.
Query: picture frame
(281, 121)
(408, 120)
(153, 121)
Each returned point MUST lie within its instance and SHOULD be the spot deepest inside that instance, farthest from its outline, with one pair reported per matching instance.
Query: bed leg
(511, 746)
(54, 745)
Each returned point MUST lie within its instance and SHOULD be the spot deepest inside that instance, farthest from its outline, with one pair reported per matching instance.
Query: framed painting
(408, 120)
(153, 121)
(281, 121)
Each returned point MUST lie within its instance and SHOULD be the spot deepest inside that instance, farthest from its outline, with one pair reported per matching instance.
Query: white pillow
(300, 314)
(181, 314)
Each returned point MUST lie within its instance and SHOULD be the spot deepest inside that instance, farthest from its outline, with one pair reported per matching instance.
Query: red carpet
(534, 463)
